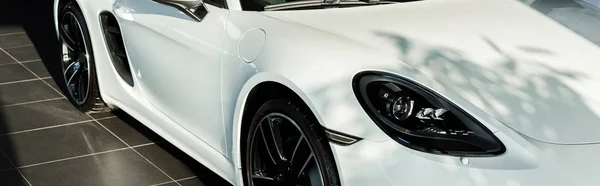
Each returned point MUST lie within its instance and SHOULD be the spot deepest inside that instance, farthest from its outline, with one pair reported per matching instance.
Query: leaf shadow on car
(518, 85)
(515, 86)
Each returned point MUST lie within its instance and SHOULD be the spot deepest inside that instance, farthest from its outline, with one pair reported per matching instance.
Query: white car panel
(329, 91)
(527, 162)
(117, 93)
(529, 80)
(162, 40)
(535, 70)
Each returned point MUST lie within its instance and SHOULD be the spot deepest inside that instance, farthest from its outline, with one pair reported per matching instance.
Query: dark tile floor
(44, 140)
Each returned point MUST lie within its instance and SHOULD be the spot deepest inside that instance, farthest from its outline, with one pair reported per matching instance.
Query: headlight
(421, 119)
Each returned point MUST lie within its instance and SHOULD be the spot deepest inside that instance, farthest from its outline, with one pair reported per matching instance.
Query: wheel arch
(259, 88)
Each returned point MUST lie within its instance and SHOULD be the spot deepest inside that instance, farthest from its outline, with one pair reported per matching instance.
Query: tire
(77, 60)
(292, 150)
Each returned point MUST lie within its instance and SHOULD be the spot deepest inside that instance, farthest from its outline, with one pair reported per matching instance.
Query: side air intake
(116, 47)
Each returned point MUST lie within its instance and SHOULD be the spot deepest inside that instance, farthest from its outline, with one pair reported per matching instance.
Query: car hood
(526, 70)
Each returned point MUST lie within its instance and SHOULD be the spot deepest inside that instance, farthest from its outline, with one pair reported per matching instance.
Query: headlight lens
(421, 119)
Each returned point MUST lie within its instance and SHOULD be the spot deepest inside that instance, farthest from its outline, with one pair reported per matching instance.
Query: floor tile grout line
(31, 61)
(25, 80)
(53, 126)
(9, 63)
(182, 179)
(133, 149)
(8, 169)
(105, 118)
(72, 158)
(59, 93)
(12, 33)
(76, 157)
(48, 127)
(13, 165)
(19, 46)
(163, 183)
(19, 81)
(31, 102)
(143, 145)
(24, 62)
(14, 63)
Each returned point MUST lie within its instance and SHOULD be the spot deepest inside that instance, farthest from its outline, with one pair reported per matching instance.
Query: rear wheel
(78, 67)
(284, 147)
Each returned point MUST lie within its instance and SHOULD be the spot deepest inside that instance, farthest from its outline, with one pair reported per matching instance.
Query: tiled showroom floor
(44, 140)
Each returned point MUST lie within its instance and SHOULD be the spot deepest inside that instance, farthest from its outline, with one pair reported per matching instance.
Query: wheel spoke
(77, 35)
(68, 41)
(66, 32)
(301, 157)
(73, 34)
(75, 73)
(266, 145)
(77, 88)
(301, 151)
(277, 137)
(82, 86)
(296, 147)
(305, 164)
(263, 180)
(282, 155)
(70, 67)
(272, 140)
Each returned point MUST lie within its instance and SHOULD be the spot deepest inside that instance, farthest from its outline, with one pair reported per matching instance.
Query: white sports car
(349, 92)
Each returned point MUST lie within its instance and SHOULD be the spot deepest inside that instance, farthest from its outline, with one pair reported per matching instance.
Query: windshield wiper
(323, 3)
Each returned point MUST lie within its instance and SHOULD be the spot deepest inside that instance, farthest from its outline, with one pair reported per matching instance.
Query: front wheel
(78, 67)
(284, 147)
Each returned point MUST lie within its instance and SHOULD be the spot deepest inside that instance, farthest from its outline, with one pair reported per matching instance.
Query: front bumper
(526, 162)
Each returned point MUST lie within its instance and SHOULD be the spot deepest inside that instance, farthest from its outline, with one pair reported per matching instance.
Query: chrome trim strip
(341, 138)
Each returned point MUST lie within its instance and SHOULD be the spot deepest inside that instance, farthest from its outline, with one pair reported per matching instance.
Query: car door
(176, 61)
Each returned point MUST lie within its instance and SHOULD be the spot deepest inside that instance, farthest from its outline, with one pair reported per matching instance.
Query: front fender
(342, 114)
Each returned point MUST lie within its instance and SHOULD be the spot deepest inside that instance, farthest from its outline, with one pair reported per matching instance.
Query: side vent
(116, 47)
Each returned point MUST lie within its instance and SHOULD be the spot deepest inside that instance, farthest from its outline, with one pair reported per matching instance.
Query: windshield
(581, 16)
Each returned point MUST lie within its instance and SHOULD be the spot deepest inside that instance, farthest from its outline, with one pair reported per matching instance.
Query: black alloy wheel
(284, 147)
(78, 60)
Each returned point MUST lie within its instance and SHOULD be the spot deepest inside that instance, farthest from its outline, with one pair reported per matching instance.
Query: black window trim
(213, 4)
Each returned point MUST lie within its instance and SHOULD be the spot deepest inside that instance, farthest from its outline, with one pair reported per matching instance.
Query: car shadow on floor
(10, 20)
(35, 18)
(8, 174)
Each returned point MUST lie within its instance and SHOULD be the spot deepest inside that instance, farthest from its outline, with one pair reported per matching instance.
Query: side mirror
(193, 8)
